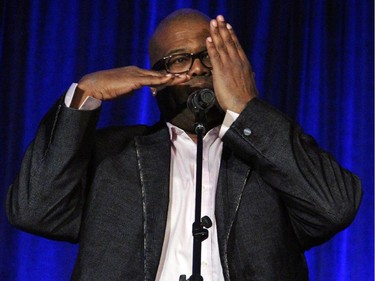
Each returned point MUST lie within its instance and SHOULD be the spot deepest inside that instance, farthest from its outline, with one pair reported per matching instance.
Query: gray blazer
(278, 195)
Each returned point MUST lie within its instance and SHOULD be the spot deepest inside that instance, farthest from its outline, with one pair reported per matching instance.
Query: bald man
(126, 194)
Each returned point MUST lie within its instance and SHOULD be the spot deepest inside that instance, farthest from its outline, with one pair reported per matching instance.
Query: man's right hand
(113, 83)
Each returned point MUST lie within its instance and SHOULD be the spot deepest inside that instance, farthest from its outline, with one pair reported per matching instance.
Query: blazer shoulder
(113, 140)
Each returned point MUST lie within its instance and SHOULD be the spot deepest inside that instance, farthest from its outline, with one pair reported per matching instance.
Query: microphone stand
(200, 225)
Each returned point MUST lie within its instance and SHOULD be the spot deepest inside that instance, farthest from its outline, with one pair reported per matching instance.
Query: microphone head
(207, 98)
(201, 100)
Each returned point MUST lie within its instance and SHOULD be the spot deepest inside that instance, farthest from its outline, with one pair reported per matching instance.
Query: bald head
(180, 19)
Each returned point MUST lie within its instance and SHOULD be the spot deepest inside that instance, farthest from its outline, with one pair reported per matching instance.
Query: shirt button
(247, 132)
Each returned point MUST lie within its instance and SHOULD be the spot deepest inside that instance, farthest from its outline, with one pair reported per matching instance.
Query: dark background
(313, 60)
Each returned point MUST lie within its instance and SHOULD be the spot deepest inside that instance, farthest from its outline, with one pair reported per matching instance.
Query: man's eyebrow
(182, 51)
(177, 51)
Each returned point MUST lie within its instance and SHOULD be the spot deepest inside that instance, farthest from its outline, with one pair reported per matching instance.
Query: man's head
(183, 32)
(183, 24)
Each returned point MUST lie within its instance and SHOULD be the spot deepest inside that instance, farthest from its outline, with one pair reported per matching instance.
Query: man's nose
(198, 69)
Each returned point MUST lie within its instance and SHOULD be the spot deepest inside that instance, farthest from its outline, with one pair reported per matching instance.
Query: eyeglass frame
(162, 63)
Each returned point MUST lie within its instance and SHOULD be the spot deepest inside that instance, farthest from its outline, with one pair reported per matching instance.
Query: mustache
(200, 82)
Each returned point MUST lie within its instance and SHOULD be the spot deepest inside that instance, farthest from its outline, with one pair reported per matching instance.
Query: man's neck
(194, 137)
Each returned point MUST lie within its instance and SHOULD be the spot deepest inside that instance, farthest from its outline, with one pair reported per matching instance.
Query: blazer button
(247, 132)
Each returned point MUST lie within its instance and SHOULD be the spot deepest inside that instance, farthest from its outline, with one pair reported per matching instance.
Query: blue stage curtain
(313, 60)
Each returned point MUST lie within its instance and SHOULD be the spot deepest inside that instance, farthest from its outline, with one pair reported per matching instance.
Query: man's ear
(153, 91)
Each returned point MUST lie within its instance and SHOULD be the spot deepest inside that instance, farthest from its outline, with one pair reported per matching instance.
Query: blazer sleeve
(48, 195)
(321, 197)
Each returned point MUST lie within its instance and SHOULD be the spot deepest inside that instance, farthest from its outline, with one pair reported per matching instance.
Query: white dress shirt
(176, 257)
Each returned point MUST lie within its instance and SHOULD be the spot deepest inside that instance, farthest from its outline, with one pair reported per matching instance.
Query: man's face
(187, 36)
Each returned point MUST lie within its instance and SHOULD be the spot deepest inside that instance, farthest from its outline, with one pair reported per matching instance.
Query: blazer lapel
(153, 153)
(233, 176)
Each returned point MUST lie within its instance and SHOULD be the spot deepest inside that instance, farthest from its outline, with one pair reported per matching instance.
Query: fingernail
(169, 75)
(209, 39)
(229, 26)
(214, 23)
(220, 18)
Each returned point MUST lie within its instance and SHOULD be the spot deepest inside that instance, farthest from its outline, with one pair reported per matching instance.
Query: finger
(217, 39)
(224, 33)
(156, 80)
(178, 79)
(157, 73)
(213, 45)
(214, 55)
(232, 46)
(237, 44)
(175, 80)
(149, 80)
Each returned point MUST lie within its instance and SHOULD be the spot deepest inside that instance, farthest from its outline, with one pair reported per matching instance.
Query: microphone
(201, 100)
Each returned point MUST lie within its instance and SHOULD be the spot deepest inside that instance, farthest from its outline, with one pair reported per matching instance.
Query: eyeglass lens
(182, 62)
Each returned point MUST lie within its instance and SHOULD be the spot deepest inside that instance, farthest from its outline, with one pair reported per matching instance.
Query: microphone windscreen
(201, 100)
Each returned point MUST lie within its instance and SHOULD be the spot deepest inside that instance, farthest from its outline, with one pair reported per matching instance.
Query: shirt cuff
(89, 103)
(229, 118)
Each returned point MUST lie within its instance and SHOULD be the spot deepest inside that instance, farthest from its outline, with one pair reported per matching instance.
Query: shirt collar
(175, 131)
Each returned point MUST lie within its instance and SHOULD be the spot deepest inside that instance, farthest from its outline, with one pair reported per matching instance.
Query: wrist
(239, 105)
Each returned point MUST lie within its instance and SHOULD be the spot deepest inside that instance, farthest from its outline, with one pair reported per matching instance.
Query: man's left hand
(233, 78)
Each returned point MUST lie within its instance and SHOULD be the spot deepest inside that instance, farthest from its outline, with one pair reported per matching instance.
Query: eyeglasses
(182, 63)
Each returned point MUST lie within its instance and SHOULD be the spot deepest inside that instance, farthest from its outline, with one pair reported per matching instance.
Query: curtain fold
(313, 60)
